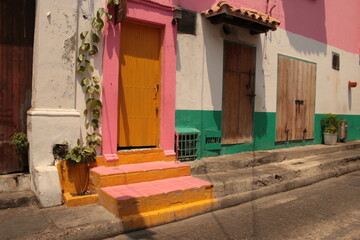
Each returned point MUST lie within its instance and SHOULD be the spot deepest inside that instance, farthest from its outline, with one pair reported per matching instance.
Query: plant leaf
(95, 38)
(97, 104)
(85, 46)
(81, 58)
(90, 67)
(96, 79)
(97, 88)
(109, 16)
(90, 89)
(85, 112)
(85, 81)
(95, 123)
(83, 35)
(81, 68)
(94, 50)
(96, 114)
(100, 12)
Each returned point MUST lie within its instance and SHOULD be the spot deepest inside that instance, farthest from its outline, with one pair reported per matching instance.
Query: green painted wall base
(264, 131)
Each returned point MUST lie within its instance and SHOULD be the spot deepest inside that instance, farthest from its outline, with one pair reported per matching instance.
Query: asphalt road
(326, 210)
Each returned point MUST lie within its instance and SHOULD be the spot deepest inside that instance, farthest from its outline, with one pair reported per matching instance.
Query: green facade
(264, 132)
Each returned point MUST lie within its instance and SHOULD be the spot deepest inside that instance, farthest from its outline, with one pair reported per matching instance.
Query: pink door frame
(147, 12)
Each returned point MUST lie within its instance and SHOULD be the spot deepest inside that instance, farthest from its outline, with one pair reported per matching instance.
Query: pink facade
(333, 22)
(154, 13)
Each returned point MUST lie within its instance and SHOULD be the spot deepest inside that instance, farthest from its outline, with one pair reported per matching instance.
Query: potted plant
(74, 167)
(330, 126)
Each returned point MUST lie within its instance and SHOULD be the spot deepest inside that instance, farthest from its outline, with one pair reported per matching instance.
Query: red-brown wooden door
(238, 93)
(17, 19)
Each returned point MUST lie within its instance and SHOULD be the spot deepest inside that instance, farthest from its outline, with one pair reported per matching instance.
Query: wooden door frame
(253, 104)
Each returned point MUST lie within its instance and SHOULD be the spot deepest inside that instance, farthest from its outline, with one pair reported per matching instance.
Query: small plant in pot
(74, 167)
(330, 126)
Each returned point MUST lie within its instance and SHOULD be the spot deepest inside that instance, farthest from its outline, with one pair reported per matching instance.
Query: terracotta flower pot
(73, 178)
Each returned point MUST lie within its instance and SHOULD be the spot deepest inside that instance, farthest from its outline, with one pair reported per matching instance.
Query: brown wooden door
(17, 19)
(295, 100)
(238, 93)
(139, 85)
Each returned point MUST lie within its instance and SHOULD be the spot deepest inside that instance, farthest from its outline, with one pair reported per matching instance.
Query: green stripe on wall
(264, 131)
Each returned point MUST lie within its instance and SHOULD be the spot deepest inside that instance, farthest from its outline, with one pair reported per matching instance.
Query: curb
(236, 199)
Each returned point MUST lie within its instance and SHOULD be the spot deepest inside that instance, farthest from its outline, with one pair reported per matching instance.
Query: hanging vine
(86, 152)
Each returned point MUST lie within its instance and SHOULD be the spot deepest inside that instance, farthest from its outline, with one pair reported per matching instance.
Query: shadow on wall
(306, 18)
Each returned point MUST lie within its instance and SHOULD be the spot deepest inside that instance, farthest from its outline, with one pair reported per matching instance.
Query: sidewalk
(88, 222)
(237, 178)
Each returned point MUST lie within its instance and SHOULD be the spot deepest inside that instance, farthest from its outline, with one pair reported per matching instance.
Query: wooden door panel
(16, 52)
(231, 108)
(139, 85)
(238, 93)
(295, 101)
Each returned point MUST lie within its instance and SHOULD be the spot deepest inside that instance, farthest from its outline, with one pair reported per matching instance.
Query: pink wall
(154, 13)
(334, 22)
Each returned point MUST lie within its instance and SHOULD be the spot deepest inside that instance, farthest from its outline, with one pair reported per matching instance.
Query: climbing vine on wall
(90, 39)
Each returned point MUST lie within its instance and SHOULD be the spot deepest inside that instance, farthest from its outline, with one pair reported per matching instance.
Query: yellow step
(135, 173)
(136, 156)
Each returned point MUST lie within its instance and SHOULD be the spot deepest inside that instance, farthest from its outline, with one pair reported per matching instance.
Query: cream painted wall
(200, 59)
(57, 97)
(199, 68)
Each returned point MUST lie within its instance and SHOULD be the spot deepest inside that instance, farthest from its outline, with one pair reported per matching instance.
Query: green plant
(60, 151)
(81, 155)
(331, 124)
(19, 139)
(86, 152)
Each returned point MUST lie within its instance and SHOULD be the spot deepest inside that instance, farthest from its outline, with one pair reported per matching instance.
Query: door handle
(156, 90)
(156, 102)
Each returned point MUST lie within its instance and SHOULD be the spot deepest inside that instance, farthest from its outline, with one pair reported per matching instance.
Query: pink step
(145, 189)
(126, 200)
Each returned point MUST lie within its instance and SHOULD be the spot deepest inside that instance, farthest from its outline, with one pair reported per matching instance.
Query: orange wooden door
(238, 93)
(295, 99)
(17, 19)
(139, 85)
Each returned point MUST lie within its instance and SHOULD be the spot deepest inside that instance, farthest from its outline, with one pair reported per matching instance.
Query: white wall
(57, 97)
(200, 68)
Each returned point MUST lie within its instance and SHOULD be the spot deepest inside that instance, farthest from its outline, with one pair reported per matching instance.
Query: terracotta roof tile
(247, 13)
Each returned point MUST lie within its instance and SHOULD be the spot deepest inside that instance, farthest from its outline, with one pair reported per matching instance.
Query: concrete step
(152, 203)
(246, 184)
(135, 173)
(226, 163)
(135, 156)
(17, 199)
(14, 182)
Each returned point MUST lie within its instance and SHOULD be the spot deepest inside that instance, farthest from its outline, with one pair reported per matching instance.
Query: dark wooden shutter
(16, 51)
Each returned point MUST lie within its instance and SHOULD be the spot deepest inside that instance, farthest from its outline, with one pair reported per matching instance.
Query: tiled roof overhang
(256, 21)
